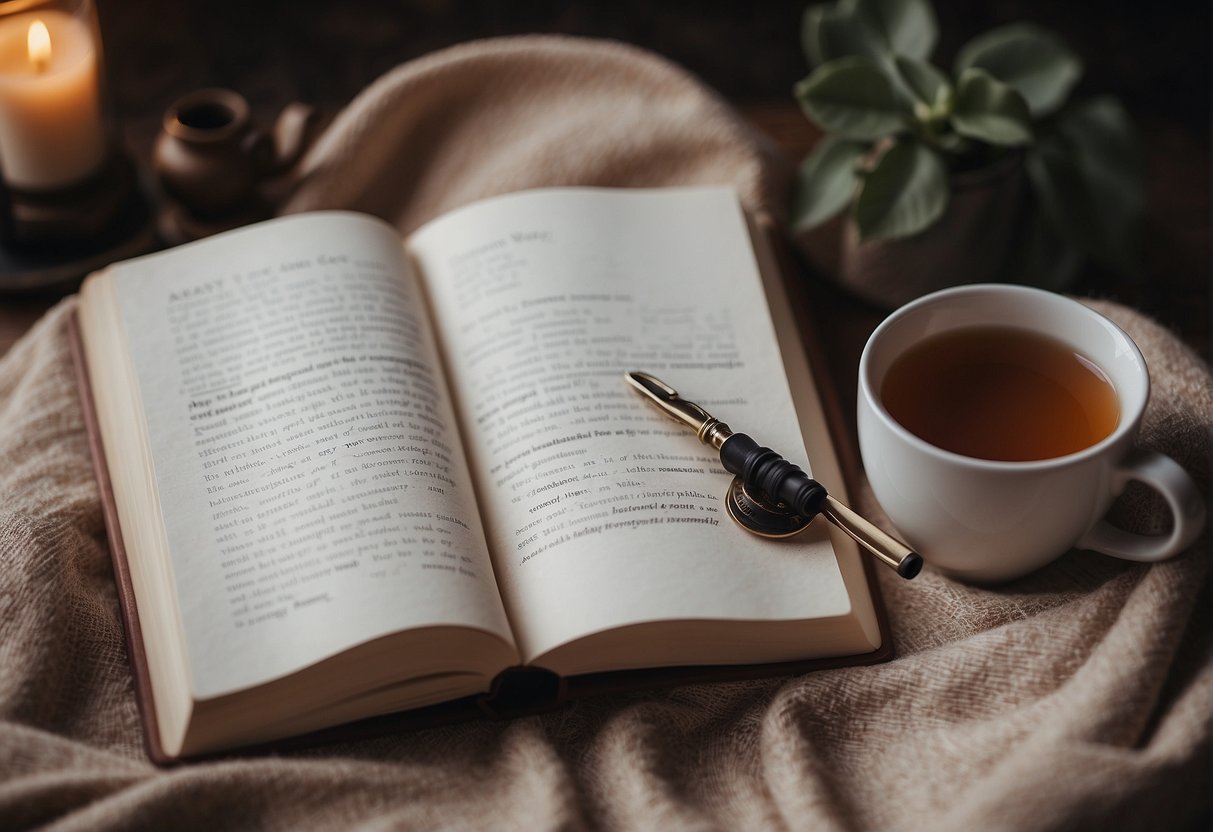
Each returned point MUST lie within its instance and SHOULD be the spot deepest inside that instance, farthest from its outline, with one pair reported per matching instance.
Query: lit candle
(52, 133)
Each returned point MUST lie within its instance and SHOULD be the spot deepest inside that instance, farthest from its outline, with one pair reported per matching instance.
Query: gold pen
(771, 496)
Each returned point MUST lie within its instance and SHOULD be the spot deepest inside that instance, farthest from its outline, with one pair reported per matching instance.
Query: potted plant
(988, 172)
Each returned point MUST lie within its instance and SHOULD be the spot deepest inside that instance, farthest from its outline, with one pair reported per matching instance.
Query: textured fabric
(1079, 697)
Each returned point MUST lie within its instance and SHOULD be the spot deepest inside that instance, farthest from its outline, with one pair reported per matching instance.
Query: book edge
(831, 406)
(128, 607)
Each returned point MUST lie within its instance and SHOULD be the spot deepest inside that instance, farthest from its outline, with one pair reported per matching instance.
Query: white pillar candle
(52, 132)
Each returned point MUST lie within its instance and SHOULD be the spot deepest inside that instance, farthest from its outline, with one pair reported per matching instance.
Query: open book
(352, 476)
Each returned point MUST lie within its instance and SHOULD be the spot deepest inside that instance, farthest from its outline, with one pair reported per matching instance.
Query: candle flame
(39, 45)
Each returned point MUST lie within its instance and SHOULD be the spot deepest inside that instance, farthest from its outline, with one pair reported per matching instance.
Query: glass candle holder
(54, 124)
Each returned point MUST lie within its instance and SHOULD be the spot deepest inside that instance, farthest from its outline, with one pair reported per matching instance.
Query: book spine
(523, 691)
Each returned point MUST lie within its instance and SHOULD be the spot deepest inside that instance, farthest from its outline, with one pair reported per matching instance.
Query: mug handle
(1165, 476)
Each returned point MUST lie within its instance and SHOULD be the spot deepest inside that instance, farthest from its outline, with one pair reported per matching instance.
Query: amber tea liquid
(1000, 393)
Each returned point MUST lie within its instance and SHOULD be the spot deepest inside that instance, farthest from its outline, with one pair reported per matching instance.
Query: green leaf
(833, 32)
(826, 182)
(954, 144)
(1088, 181)
(928, 84)
(906, 27)
(990, 110)
(828, 33)
(1035, 61)
(810, 22)
(810, 39)
(903, 194)
(853, 98)
(1062, 195)
(1102, 137)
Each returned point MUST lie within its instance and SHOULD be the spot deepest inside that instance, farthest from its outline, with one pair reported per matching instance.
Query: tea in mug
(1000, 393)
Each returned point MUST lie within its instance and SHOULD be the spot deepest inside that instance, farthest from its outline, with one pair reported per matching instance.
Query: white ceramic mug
(988, 521)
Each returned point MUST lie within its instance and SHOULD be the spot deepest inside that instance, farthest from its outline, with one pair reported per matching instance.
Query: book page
(313, 489)
(600, 511)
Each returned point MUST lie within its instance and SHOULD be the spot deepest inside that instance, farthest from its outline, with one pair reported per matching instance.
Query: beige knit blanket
(1077, 698)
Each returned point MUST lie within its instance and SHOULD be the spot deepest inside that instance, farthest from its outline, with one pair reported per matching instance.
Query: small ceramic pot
(210, 156)
(970, 243)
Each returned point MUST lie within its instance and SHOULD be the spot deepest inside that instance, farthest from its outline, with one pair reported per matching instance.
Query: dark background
(1154, 56)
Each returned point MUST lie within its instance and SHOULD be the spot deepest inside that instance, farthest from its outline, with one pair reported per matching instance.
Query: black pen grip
(766, 472)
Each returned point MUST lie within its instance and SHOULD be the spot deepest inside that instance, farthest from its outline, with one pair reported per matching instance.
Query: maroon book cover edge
(122, 573)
